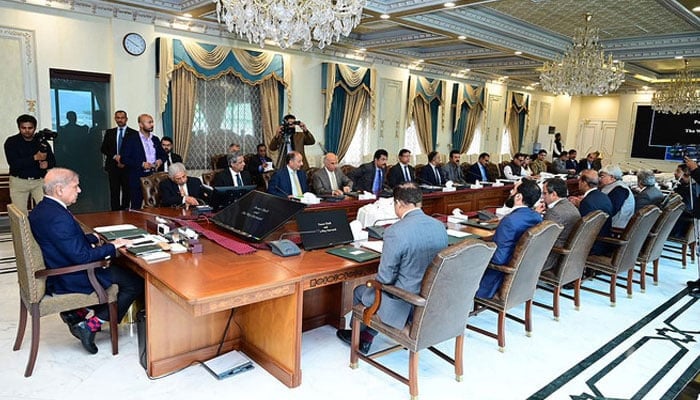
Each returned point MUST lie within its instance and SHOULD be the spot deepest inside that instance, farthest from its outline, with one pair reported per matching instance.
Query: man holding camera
(292, 135)
(29, 156)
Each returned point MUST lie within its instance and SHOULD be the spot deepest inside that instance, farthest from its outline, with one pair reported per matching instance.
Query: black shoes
(346, 336)
(70, 317)
(85, 335)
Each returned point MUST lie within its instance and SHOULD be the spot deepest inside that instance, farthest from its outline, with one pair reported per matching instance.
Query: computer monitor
(255, 215)
(222, 196)
(321, 229)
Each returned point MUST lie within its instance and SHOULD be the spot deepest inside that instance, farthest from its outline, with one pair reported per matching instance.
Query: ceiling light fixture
(678, 57)
(287, 22)
(461, 37)
(680, 96)
(449, 4)
(385, 16)
(517, 53)
(584, 69)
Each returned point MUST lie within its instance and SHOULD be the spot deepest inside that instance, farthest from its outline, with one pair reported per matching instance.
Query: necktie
(296, 186)
(120, 136)
(406, 175)
(239, 181)
(334, 182)
(484, 178)
(437, 176)
(377, 184)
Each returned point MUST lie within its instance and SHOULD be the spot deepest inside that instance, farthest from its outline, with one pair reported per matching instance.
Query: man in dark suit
(235, 174)
(590, 162)
(510, 229)
(369, 177)
(292, 135)
(63, 243)
(180, 189)
(330, 179)
(289, 181)
(258, 164)
(593, 199)
(560, 210)
(402, 171)
(117, 172)
(571, 163)
(415, 240)
(143, 155)
(432, 174)
(170, 157)
(649, 193)
(479, 171)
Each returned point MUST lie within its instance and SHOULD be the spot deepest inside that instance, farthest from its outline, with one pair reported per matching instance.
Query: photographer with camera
(29, 156)
(292, 135)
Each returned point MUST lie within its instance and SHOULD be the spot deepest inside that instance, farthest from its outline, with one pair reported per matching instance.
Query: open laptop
(222, 196)
(324, 229)
(255, 215)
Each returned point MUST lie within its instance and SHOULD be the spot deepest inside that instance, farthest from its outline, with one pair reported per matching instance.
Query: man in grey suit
(649, 193)
(560, 210)
(330, 179)
(415, 240)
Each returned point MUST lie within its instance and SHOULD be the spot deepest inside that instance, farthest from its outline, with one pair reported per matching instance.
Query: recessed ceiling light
(696, 9)
(678, 57)
(645, 87)
(517, 53)
(616, 61)
(466, 69)
(187, 15)
(461, 37)
(449, 4)
(420, 61)
(385, 16)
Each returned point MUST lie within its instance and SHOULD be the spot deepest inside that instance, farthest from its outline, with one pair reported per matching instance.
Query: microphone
(283, 234)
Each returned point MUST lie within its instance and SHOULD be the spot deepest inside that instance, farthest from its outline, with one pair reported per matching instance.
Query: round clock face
(134, 44)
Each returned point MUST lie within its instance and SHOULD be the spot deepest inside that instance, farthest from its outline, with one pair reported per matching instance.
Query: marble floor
(644, 348)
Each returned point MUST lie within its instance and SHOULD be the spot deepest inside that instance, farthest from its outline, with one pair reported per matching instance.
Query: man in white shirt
(515, 170)
(235, 175)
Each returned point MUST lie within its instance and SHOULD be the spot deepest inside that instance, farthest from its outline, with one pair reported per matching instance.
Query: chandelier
(680, 96)
(287, 22)
(584, 69)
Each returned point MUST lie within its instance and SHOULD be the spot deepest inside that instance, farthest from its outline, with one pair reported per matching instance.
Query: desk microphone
(283, 234)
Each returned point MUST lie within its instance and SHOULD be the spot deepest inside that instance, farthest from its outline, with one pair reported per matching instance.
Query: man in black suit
(432, 174)
(235, 174)
(180, 189)
(590, 162)
(369, 177)
(571, 163)
(593, 199)
(143, 155)
(116, 171)
(170, 157)
(257, 164)
(479, 171)
(402, 171)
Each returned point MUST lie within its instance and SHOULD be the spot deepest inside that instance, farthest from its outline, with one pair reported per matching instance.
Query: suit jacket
(507, 235)
(559, 166)
(597, 200)
(583, 164)
(453, 172)
(395, 175)
(109, 146)
(363, 176)
(299, 140)
(224, 178)
(63, 243)
(255, 164)
(280, 184)
(427, 176)
(322, 184)
(175, 158)
(572, 164)
(170, 191)
(650, 195)
(474, 174)
(415, 240)
(565, 214)
(133, 156)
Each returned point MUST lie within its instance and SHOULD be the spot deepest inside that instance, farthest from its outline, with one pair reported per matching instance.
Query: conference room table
(201, 304)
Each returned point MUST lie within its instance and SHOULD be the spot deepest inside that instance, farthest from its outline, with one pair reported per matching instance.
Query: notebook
(322, 229)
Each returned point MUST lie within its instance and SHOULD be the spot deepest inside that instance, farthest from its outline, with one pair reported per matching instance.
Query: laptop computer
(255, 215)
(324, 229)
(222, 196)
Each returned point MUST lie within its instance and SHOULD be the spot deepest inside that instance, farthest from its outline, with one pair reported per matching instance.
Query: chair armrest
(561, 250)
(378, 289)
(615, 241)
(616, 231)
(408, 297)
(502, 268)
(89, 268)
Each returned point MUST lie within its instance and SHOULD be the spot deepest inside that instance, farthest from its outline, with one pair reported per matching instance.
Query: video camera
(288, 129)
(43, 136)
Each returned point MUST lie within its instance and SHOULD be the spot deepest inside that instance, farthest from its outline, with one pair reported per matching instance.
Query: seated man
(514, 170)
(539, 165)
(258, 164)
(619, 193)
(402, 171)
(571, 163)
(559, 166)
(416, 238)
(223, 161)
(63, 243)
(452, 170)
(592, 200)
(369, 177)
(235, 174)
(590, 162)
(289, 181)
(512, 226)
(649, 193)
(432, 174)
(330, 179)
(180, 189)
(560, 210)
(479, 170)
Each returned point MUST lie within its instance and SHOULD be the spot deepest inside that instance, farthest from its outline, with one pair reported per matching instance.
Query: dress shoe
(86, 336)
(346, 336)
(71, 318)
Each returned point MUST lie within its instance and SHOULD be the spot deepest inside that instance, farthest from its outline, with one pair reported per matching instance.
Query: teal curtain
(425, 96)
(467, 101)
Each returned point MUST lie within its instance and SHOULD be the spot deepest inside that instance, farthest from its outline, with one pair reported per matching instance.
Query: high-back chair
(654, 244)
(625, 252)
(520, 281)
(572, 260)
(440, 313)
(208, 177)
(32, 274)
(150, 188)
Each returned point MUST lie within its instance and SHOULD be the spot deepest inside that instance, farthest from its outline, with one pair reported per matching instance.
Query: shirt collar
(551, 205)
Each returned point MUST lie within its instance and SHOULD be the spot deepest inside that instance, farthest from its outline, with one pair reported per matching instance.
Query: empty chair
(150, 188)
(625, 252)
(572, 260)
(654, 244)
(208, 177)
(440, 313)
(520, 281)
(31, 274)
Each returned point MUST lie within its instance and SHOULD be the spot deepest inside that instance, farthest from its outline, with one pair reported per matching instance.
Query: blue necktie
(483, 173)
(120, 134)
(377, 185)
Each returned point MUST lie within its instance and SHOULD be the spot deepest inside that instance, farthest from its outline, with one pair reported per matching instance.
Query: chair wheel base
(459, 378)
(556, 319)
(353, 365)
(642, 290)
(629, 296)
(577, 308)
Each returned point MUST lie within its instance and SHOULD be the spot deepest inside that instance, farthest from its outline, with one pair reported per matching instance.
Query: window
(411, 140)
(360, 140)
(475, 145)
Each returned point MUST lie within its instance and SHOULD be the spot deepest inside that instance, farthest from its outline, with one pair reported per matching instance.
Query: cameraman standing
(29, 157)
(292, 135)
